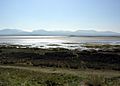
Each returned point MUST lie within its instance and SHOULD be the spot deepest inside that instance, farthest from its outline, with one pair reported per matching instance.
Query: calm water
(58, 41)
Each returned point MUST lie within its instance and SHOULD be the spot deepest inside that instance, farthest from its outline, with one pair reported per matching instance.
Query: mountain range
(58, 33)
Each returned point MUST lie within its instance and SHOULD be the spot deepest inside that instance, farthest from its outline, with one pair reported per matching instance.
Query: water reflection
(57, 41)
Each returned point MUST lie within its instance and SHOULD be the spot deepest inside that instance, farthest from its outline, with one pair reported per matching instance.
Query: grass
(29, 75)
(37, 76)
(18, 77)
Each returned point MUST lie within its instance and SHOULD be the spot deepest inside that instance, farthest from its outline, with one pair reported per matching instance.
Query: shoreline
(65, 45)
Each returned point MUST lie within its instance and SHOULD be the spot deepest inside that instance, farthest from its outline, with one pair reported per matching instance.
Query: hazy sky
(71, 15)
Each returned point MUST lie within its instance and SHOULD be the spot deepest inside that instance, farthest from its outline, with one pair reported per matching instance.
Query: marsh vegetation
(21, 65)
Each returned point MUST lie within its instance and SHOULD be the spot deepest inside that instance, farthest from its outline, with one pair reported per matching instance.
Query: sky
(66, 15)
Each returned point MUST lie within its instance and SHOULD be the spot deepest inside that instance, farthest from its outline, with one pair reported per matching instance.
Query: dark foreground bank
(99, 65)
(106, 57)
